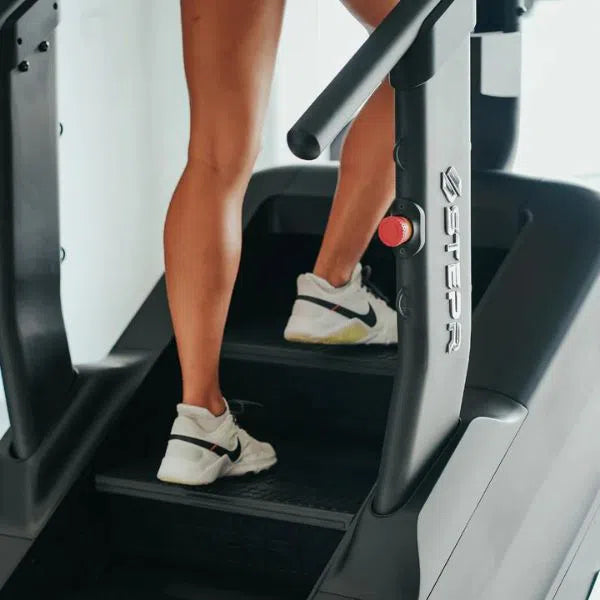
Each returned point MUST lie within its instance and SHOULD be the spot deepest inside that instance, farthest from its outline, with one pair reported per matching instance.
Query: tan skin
(229, 54)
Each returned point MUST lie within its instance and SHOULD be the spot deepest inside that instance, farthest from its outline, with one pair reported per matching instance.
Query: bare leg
(229, 52)
(366, 185)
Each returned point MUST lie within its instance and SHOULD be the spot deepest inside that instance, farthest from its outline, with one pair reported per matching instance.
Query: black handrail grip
(356, 82)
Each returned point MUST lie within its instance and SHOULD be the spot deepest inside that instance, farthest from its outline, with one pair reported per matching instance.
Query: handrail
(358, 80)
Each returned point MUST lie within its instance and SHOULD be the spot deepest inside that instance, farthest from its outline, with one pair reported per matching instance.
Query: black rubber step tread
(264, 342)
(136, 583)
(313, 484)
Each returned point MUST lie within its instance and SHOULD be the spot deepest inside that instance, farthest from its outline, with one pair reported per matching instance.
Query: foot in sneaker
(356, 313)
(203, 448)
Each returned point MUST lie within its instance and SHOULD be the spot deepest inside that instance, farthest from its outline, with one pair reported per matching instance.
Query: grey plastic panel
(524, 314)
(581, 579)
(525, 524)
(463, 482)
(12, 551)
(500, 64)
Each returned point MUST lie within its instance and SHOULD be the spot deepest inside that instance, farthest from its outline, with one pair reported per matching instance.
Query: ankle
(213, 402)
(335, 277)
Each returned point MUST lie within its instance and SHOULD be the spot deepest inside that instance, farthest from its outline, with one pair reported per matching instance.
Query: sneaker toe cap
(265, 450)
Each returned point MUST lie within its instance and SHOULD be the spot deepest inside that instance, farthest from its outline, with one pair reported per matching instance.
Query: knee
(226, 155)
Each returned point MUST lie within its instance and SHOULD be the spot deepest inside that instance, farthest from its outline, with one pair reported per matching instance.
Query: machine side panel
(524, 526)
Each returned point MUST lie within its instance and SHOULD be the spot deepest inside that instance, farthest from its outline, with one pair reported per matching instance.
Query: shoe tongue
(357, 273)
(202, 416)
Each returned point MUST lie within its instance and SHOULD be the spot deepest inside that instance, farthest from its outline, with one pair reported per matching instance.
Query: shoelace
(237, 431)
(370, 286)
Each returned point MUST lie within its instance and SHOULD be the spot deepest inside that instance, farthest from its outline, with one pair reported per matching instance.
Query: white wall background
(560, 124)
(111, 208)
(123, 103)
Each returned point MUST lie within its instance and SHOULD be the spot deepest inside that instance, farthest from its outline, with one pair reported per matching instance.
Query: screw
(61, 129)
(44, 46)
(24, 66)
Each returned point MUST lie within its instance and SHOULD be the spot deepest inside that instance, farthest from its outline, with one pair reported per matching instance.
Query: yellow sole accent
(353, 334)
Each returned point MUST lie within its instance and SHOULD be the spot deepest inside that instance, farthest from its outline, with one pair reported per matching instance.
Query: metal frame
(58, 413)
(34, 353)
(433, 188)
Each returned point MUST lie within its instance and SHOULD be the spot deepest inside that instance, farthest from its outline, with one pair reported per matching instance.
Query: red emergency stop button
(395, 231)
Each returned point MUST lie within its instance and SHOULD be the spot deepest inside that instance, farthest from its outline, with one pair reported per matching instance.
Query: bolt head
(24, 66)
(44, 46)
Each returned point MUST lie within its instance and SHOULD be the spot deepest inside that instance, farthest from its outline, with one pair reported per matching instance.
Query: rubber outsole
(181, 472)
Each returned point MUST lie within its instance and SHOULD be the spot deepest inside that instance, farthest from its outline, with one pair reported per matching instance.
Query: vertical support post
(434, 281)
(34, 353)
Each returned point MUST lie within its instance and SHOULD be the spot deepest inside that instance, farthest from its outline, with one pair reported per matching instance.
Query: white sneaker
(203, 448)
(355, 313)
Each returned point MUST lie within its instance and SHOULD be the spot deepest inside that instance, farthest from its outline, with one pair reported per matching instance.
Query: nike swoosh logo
(370, 319)
(233, 455)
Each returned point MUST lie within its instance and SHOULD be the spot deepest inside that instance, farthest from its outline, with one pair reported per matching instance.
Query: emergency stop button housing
(404, 230)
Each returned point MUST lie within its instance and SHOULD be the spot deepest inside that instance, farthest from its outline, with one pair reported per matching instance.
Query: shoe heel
(298, 329)
(185, 472)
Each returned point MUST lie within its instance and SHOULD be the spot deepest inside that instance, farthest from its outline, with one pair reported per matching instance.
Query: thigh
(229, 53)
(370, 12)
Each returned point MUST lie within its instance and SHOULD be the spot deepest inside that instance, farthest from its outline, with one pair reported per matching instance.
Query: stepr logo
(452, 188)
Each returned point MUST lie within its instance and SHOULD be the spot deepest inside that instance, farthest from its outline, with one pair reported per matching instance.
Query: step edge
(315, 517)
(251, 353)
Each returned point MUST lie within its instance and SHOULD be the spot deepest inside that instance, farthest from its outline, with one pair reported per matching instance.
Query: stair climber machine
(463, 465)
